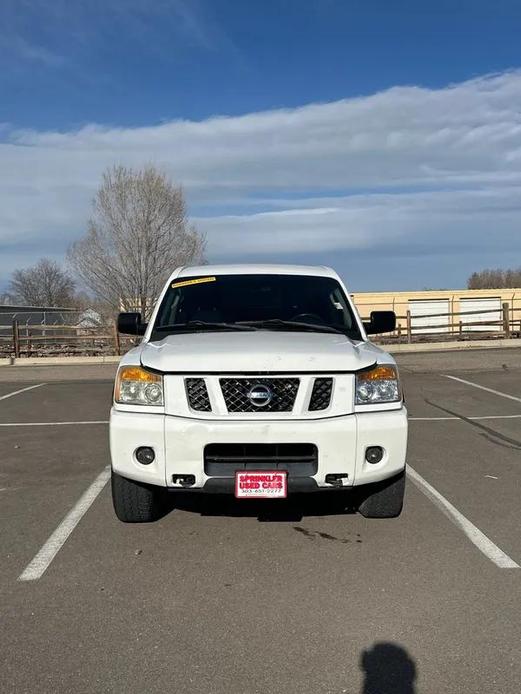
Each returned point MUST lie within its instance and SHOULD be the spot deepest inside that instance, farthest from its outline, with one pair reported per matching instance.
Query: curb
(453, 346)
(59, 361)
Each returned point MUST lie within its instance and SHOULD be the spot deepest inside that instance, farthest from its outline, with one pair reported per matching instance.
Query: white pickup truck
(259, 381)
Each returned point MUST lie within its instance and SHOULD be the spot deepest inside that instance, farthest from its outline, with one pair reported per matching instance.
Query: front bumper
(179, 444)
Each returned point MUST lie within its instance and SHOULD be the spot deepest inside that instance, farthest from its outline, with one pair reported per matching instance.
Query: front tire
(385, 499)
(136, 502)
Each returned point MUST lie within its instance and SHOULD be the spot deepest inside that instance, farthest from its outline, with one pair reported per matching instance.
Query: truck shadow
(290, 510)
(388, 669)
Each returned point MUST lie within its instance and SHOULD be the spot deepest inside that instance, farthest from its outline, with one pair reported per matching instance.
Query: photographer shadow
(388, 669)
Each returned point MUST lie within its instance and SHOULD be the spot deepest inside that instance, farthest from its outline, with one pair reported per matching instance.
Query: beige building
(473, 310)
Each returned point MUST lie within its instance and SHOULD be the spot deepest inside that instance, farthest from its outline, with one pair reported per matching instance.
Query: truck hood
(258, 351)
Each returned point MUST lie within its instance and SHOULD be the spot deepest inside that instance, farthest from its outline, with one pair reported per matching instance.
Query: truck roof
(256, 269)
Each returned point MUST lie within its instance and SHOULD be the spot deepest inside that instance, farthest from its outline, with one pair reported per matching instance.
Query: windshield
(261, 301)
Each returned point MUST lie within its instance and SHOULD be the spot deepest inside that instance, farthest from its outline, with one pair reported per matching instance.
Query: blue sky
(382, 138)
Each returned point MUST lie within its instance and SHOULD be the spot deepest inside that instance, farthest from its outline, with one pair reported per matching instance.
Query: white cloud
(425, 222)
(405, 168)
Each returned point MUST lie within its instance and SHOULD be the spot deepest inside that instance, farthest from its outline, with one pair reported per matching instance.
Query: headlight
(377, 386)
(136, 386)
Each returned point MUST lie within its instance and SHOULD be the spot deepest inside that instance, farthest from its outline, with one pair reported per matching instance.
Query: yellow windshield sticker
(199, 280)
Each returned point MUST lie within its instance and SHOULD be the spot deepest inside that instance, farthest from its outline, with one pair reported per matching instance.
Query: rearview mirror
(130, 324)
(381, 322)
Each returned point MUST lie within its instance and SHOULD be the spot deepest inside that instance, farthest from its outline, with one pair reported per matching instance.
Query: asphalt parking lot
(295, 597)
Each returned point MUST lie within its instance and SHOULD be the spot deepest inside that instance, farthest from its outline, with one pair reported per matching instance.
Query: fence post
(117, 344)
(409, 327)
(16, 339)
(506, 319)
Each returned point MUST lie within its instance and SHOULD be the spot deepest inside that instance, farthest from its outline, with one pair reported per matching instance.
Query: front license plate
(261, 484)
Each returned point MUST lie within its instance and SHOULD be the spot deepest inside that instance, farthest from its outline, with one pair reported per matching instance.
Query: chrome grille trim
(235, 392)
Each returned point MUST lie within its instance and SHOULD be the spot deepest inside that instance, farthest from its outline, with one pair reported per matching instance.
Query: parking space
(477, 472)
(223, 596)
(503, 384)
(76, 401)
(44, 470)
(9, 390)
(436, 396)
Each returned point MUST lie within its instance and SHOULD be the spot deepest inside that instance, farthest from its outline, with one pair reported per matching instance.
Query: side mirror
(381, 322)
(130, 324)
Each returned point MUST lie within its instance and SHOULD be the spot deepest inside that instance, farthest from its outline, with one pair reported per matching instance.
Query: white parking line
(489, 390)
(36, 568)
(51, 424)
(459, 419)
(481, 541)
(22, 390)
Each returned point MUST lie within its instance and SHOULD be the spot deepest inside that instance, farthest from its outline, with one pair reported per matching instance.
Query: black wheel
(135, 502)
(384, 499)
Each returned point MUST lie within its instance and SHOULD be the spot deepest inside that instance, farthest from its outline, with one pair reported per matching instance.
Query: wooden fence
(455, 328)
(22, 340)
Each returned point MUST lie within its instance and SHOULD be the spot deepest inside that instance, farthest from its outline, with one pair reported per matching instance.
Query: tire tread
(385, 499)
(136, 502)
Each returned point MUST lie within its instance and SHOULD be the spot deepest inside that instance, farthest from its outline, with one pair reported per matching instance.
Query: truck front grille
(223, 459)
(197, 394)
(321, 395)
(236, 393)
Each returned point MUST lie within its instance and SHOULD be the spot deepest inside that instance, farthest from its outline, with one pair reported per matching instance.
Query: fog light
(145, 455)
(374, 454)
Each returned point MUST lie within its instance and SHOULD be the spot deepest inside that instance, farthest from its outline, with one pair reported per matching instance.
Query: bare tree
(138, 234)
(495, 279)
(43, 284)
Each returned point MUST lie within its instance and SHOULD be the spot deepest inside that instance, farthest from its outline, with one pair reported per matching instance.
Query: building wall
(399, 302)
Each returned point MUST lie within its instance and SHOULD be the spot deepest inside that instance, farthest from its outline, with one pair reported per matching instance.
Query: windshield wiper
(279, 324)
(201, 325)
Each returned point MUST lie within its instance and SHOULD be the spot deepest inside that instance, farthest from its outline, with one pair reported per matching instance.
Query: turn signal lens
(137, 386)
(379, 373)
(379, 385)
